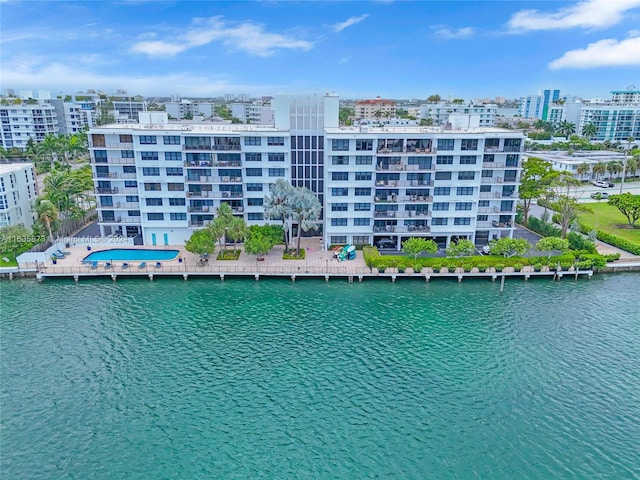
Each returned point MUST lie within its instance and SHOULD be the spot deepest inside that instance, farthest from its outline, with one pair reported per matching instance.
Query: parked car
(600, 195)
(607, 184)
(386, 243)
(602, 183)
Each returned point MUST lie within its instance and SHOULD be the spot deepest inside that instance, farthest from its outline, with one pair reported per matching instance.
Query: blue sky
(361, 49)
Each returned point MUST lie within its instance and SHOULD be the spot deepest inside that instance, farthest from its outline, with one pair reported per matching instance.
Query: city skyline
(359, 50)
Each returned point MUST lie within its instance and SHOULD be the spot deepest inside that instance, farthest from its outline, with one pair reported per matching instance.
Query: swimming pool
(132, 255)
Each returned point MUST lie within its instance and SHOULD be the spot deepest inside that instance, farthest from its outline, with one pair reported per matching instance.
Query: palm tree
(566, 128)
(630, 140)
(49, 147)
(613, 168)
(589, 130)
(237, 230)
(583, 169)
(378, 114)
(632, 166)
(305, 211)
(277, 206)
(47, 213)
(599, 169)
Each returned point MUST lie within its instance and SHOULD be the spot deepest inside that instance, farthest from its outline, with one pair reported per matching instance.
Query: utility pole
(624, 162)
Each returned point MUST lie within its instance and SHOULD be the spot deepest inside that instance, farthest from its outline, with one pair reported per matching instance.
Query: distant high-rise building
(537, 106)
(25, 120)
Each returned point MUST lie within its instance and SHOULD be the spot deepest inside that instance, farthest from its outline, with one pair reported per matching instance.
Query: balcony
(120, 205)
(231, 163)
(201, 163)
(490, 195)
(237, 210)
(122, 176)
(412, 229)
(404, 183)
(226, 179)
(201, 209)
(116, 161)
(198, 223)
(226, 148)
(203, 179)
(107, 190)
(493, 165)
(199, 148)
(200, 194)
(396, 167)
(227, 195)
(116, 145)
(401, 214)
(404, 199)
(120, 220)
(510, 180)
(496, 224)
(489, 180)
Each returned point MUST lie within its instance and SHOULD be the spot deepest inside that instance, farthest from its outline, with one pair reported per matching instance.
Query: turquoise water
(132, 254)
(272, 379)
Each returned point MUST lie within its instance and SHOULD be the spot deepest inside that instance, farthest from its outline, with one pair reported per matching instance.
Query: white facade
(71, 116)
(563, 162)
(253, 113)
(180, 110)
(17, 193)
(24, 121)
(440, 112)
(614, 122)
(162, 180)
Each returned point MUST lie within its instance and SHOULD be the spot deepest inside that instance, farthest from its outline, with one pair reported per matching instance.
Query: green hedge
(373, 259)
(611, 239)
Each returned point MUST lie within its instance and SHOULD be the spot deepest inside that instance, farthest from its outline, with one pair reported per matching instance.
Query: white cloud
(249, 37)
(447, 33)
(35, 74)
(586, 14)
(603, 53)
(338, 27)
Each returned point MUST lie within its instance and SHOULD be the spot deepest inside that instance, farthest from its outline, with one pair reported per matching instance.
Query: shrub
(580, 243)
(611, 239)
(482, 267)
(543, 228)
(291, 255)
(612, 257)
(229, 255)
(499, 267)
(517, 267)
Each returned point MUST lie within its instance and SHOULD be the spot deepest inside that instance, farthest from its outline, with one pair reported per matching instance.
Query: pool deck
(317, 264)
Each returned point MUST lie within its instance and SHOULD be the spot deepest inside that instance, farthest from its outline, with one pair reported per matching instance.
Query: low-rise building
(28, 119)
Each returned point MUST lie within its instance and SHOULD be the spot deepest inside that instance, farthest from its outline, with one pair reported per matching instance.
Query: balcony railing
(201, 163)
(402, 214)
(120, 205)
(197, 147)
(107, 190)
(485, 180)
(232, 148)
(226, 179)
(120, 220)
(232, 163)
(202, 209)
(227, 195)
(203, 179)
(404, 183)
(198, 223)
(404, 199)
(412, 229)
(118, 145)
(493, 165)
(490, 195)
(200, 194)
(115, 161)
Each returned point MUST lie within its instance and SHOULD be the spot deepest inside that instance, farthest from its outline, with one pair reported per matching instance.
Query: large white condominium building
(440, 112)
(161, 180)
(26, 120)
(17, 193)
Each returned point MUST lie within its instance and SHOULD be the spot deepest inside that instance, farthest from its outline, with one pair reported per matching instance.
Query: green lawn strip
(609, 219)
(12, 260)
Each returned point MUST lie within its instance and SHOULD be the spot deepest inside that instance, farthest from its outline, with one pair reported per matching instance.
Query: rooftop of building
(188, 127)
(375, 101)
(13, 167)
(584, 156)
(416, 129)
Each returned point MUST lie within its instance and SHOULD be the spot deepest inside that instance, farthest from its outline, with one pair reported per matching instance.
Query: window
(254, 172)
(153, 202)
(175, 187)
(485, 188)
(340, 160)
(155, 216)
(362, 176)
(338, 239)
(361, 222)
(482, 218)
(173, 156)
(441, 206)
(466, 175)
(361, 239)
(446, 143)
(439, 221)
(276, 172)
(174, 172)
(484, 203)
(133, 213)
(96, 139)
(340, 144)
(339, 207)
(464, 191)
(177, 202)
(362, 192)
(177, 216)
(364, 160)
(253, 157)
(444, 160)
(339, 176)
(254, 187)
(171, 140)
(253, 141)
(130, 184)
(128, 169)
(462, 221)
(464, 205)
(150, 171)
(487, 173)
(338, 222)
(468, 159)
(489, 158)
(443, 175)
(276, 157)
(469, 144)
(149, 155)
(132, 198)
(127, 154)
(255, 202)
(339, 192)
(126, 138)
(255, 216)
(363, 145)
(442, 191)
(148, 140)
(275, 141)
(106, 201)
(362, 207)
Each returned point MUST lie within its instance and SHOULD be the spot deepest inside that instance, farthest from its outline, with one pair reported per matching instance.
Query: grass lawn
(608, 218)
(12, 260)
